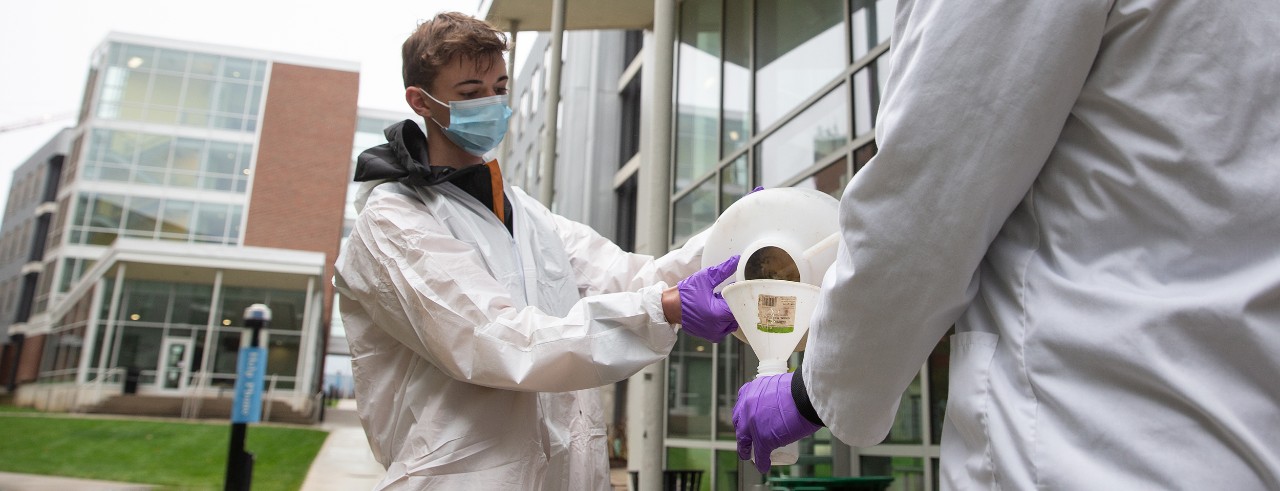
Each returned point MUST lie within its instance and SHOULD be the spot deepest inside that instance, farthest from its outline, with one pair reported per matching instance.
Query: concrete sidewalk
(28, 482)
(345, 462)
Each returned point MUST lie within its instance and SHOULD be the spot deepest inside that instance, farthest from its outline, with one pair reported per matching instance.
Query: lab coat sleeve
(600, 266)
(976, 97)
(433, 294)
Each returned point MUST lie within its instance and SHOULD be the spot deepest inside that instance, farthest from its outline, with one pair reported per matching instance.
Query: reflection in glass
(907, 472)
(689, 391)
(872, 24)
(694, 211)
(736, 122)
(142, 217)
(863, 155)
(831, 179)
(813, 135)
(727, 470)
(698, 91)
(734, 182)
(907, 423)
(730, 378)
(868, 85)
(177, 218)
(797, 52)
(691, 459)
(938, 364)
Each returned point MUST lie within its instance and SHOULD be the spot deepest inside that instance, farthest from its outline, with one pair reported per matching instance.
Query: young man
(479, 321)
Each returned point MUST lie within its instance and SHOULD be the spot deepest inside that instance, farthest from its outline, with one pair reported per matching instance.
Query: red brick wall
(304, 158)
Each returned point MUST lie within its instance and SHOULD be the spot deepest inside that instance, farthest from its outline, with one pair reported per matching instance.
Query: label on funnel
(777, 313)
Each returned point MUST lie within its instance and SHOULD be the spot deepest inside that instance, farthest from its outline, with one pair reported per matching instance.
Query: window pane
(939, 378)
(145, 301)
(736, 125)
(233, 227)
(222, 158)
(232, 98)
(866, 97)
(798, 50)
(689, 391)
(872, 24)
(211, 220)
(863, 155)
(202, 64)
(143, 213)
(727, 470)
(734, 182)
(282, 355)
(177, 217)
(140, 348)
(691, 459)
(831, 179)
(172, 61)
(237, 68)
(694, 211)
(729, 379)
(698, 91)
(191, 305)
(197, 100)
(907, 472)
(907, 423)
(154, 150)
(814, 134)
(287, 308)
(166, 89)
(107, 211)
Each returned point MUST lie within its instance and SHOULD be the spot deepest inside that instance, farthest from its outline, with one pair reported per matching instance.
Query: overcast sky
(45, 48)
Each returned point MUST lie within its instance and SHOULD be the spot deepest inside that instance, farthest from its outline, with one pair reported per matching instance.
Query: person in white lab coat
(1088, 191)
(480, 322)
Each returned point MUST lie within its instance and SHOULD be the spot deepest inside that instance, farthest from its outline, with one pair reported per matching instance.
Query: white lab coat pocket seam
(968, 402)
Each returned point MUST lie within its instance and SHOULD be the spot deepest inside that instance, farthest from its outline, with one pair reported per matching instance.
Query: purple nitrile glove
(757, 188)
(765, 418)
(703, 312)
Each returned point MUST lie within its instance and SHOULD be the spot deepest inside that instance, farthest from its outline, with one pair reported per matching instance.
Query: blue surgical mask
(475, 125)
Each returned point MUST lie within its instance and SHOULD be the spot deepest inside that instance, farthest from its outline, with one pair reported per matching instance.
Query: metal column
(655, 204)
(547, 191)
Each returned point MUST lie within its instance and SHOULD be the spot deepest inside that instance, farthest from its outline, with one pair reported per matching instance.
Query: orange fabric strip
(495, 180)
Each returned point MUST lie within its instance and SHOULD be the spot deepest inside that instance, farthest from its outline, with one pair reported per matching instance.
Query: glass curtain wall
(779, 93)
(162, 329)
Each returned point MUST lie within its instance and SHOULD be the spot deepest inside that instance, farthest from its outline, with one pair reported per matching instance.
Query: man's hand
(703, 312)
(766, 418)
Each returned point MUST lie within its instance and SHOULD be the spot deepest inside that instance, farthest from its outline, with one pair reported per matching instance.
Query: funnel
(774, 317)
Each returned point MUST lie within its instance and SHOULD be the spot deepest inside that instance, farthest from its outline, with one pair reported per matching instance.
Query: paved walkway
(345, 462)
(28, 482)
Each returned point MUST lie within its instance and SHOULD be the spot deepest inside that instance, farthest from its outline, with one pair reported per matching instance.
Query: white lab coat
(1090, 191)
(476, 354)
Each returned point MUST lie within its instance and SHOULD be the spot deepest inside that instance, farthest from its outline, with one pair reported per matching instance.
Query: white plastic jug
(800, 222)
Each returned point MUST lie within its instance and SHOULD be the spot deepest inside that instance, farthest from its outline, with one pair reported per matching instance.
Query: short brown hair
(449, 37)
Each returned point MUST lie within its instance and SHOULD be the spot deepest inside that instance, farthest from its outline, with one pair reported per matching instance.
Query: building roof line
(222, 49)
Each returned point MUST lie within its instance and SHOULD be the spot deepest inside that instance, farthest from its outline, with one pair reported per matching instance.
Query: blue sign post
(247, 407)
(248, 399)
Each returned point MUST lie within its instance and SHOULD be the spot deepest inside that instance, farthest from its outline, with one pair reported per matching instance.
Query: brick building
(198, 180)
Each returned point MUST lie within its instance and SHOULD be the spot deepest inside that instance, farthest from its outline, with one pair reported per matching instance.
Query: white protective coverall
(1090, 191)
(476, 354)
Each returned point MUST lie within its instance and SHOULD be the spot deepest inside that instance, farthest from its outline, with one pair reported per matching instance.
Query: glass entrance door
(174, 367)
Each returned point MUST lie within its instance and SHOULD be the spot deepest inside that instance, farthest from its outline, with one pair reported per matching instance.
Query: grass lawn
(172, 454)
